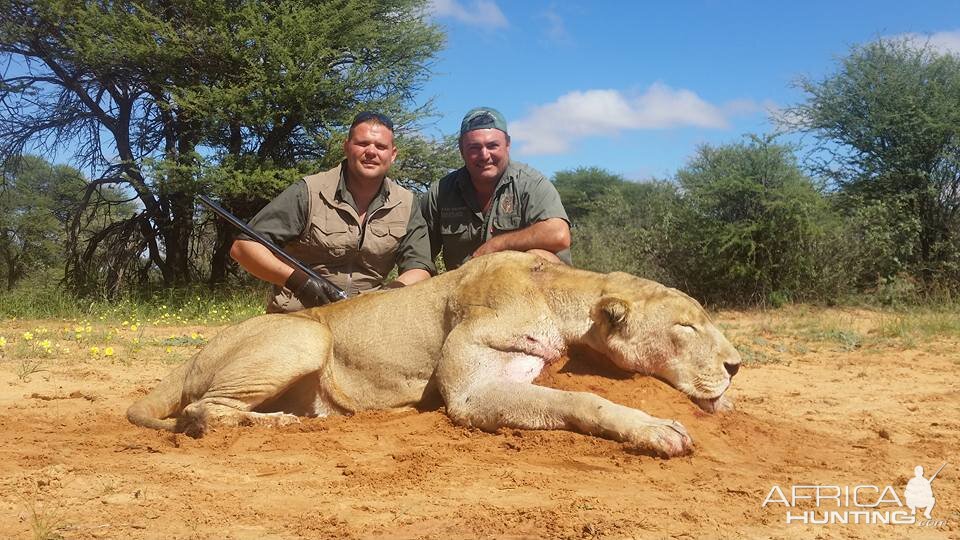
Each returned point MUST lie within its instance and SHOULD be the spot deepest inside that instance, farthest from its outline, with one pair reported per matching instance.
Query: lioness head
(645, 327)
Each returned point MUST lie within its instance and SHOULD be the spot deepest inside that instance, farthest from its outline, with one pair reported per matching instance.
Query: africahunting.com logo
(865, 504)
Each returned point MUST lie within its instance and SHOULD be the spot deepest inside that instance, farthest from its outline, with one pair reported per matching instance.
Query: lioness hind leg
(256, 372)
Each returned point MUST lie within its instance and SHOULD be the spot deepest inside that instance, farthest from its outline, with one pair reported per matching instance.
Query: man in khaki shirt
(351, 224)
(493, 203)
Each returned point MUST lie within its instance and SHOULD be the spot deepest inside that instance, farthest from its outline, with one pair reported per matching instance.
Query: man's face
(370, 151)
(486, 153)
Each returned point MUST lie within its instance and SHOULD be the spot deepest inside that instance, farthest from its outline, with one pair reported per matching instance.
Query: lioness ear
(611, 311)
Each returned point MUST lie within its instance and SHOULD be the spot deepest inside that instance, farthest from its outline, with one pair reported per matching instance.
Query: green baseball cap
(482, 118)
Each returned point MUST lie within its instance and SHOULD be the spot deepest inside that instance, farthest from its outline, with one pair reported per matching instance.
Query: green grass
(27, 367)
(194, 305)
(848, 339)
(46, 520)
(777, 336)
(855, 331)
(920, 323)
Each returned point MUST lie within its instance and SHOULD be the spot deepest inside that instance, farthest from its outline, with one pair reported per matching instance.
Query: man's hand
(311, 292)
(492, 245)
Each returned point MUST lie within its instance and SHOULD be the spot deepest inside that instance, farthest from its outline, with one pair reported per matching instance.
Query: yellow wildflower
(169, 349)
(134, 327)
(108, 351)
(194, 336)
(94, 351)
(28, 336)
(45, 344)
(3, 342)
(125, 323)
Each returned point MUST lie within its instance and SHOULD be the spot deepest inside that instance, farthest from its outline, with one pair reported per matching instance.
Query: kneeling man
(492, 203)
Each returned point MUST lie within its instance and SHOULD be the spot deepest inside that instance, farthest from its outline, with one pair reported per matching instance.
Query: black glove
(312, 292)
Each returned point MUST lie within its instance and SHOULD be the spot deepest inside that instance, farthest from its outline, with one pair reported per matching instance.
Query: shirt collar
(343, 194)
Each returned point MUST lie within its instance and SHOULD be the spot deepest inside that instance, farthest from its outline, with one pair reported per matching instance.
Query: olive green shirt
(457, 224)
(285, 218)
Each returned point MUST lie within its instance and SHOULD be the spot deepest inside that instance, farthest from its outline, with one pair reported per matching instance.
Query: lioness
(478, 335)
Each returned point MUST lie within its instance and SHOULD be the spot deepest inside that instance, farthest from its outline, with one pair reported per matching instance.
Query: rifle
(262, 240)
(938, 472)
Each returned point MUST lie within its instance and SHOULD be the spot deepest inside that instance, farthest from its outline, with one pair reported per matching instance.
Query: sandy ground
(818, 411)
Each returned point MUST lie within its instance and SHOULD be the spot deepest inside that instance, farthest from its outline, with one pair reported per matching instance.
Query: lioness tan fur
(478, 335)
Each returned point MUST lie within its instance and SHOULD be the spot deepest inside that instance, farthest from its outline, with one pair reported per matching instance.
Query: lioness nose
(732, 368)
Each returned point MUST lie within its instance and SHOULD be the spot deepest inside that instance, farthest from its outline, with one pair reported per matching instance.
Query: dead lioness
(478, 335)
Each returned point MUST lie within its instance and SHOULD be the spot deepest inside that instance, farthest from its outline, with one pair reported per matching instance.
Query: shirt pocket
(384, 238)
(334, 235)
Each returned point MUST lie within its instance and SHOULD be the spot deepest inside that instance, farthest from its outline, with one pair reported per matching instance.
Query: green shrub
(751, 228)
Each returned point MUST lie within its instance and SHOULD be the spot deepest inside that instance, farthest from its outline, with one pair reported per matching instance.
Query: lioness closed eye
(478, 335)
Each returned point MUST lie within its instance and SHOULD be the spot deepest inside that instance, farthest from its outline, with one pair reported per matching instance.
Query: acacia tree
(162, 100)
(887, 123)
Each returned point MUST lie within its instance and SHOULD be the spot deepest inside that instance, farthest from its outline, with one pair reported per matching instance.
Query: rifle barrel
(262, 240)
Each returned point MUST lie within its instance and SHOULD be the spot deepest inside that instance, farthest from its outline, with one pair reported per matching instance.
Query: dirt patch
(809, 412)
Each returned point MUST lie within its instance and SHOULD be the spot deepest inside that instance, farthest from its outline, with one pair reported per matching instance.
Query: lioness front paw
(668, 439)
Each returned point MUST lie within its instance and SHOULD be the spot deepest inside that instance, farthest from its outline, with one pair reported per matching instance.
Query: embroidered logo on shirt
(506, 203)
(455, 212)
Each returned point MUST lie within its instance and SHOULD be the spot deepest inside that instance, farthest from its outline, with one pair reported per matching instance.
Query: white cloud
(556, 29)
(942, 42)
(554, 127)
(484, 13)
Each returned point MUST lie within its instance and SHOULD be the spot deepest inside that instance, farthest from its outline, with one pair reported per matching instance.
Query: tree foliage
(888, 126)
(751, 221)
(36, 200)
(617, 225)
(163, 100)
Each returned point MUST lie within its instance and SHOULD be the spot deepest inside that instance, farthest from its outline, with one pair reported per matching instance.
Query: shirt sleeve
(284, 218)
(414, 249)
(543, 202)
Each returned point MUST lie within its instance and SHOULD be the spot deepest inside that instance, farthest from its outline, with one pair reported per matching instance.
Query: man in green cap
(492, 203)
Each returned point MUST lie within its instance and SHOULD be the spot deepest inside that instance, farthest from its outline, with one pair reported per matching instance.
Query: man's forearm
(409, 277)
(550, 235)
(260, 262)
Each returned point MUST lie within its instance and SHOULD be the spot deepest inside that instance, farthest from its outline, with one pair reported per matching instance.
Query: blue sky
(635, 87)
